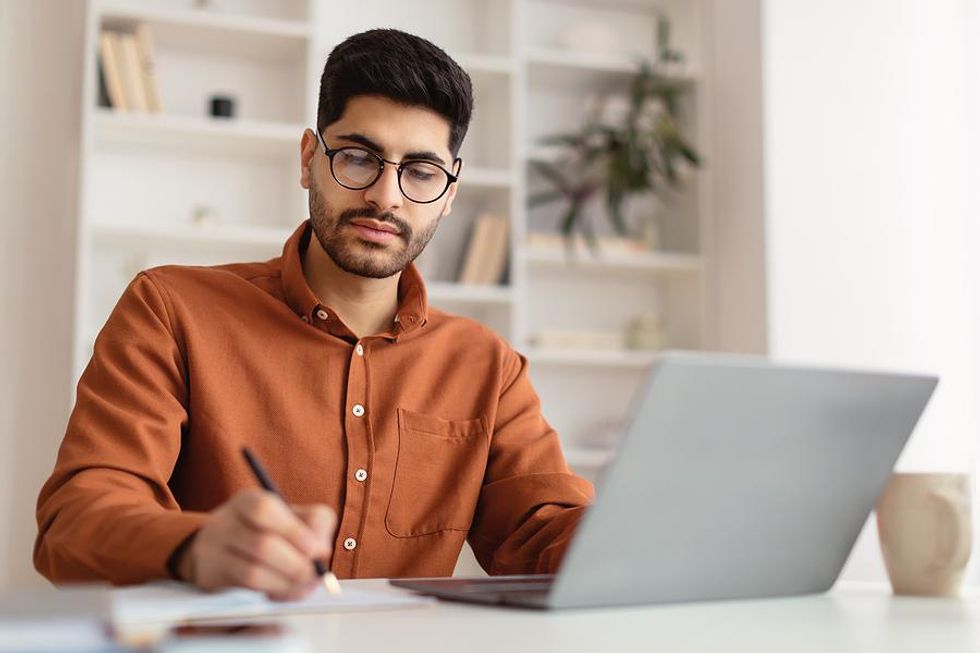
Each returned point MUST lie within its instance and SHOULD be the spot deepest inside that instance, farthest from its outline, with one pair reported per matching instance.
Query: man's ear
(307, 149)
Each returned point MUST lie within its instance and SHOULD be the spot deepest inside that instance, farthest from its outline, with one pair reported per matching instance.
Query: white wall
(735, 279)
(40, 91)
(867, 205)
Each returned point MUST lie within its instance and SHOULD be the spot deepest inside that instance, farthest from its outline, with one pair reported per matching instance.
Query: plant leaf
(554, 174)
(545, 197)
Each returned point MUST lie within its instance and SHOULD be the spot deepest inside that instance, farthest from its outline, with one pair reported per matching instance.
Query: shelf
(660, 262)
(588, 458)
(458, 293)
(585, 71)
(213, 32)
(227, 235)
(487, 177)
(482, 64)
(582, 61)
(647, 6)
(211, 135)
(625, 358)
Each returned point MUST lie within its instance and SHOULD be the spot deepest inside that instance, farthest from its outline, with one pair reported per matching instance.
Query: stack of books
(126, 78)
(486, 256)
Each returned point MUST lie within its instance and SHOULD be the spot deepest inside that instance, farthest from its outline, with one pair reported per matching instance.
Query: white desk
(849, 618)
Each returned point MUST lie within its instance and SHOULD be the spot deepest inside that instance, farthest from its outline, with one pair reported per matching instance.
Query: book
(111, 66)
(496, 258)
(103, 100)
(132, 72)
(475, 250)
(144, 48)
(486, 253)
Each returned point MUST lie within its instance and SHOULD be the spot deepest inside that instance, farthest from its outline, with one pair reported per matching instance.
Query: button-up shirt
(421, 437)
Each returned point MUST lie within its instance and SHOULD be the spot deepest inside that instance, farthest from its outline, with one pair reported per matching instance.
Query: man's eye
(421, 173)
(357, 159)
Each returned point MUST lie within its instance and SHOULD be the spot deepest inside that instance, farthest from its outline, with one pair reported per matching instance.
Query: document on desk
(172, 601)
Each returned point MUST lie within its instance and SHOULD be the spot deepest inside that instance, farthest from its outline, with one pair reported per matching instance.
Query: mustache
(404, 230)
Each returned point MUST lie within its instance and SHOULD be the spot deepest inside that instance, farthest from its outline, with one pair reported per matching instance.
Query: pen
(330, 582)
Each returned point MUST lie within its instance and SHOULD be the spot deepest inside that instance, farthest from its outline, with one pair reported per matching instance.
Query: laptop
(736, 478)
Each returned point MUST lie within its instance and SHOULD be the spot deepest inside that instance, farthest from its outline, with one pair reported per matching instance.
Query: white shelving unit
(144, 176)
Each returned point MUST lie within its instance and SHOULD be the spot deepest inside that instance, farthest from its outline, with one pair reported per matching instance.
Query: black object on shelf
(222, 106)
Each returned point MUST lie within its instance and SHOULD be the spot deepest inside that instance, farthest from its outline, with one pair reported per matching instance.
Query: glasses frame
(382, 162)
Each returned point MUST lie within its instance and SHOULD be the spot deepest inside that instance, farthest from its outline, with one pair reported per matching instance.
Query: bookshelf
(268, 55)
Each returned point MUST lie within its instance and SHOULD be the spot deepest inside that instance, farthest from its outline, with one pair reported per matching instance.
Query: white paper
(169, 602)
(19, 635)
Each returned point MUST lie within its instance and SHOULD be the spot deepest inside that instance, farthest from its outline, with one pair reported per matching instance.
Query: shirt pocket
(438, 474)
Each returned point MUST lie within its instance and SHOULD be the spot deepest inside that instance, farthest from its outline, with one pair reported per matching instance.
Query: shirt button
(322, 314)
(361, 475)
(358, 410)
(304, 318)
(359, 350)
(350, 544)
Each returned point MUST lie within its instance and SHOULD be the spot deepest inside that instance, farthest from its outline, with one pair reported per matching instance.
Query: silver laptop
(736, 478)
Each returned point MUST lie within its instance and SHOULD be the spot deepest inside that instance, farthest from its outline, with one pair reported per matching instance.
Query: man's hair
(401, 67)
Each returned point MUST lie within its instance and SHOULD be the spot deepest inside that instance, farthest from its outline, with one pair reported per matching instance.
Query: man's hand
(255, 540)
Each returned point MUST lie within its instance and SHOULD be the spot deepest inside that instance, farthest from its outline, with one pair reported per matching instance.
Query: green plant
(638, 153)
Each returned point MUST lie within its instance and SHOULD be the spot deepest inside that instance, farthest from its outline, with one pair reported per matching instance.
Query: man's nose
(384, 194)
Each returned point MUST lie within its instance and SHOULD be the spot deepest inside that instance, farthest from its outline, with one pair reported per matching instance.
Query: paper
(61, 635)
(170, 601)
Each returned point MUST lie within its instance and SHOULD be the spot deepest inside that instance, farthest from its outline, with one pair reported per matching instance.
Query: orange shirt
(420, 437)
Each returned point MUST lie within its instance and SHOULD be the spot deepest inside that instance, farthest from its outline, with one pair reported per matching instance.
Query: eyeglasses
(355, 168)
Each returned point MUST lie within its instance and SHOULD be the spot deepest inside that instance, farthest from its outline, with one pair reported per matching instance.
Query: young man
(397, 431)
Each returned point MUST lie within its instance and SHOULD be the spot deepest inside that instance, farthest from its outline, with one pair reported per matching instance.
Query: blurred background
(787, 178)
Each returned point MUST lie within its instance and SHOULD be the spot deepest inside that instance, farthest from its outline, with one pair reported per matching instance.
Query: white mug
(925, 530)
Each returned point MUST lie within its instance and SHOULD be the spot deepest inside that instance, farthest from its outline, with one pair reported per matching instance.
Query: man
(397, 431)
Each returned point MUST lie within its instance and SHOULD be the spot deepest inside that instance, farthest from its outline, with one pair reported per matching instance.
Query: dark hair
(401, 67)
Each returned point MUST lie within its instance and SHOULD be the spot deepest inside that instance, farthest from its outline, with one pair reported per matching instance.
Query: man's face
(376, 232)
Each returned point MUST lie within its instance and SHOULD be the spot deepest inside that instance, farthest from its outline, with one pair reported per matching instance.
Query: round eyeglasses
(356, 168)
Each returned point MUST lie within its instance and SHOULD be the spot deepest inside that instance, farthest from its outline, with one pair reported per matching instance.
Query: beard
(364, 258)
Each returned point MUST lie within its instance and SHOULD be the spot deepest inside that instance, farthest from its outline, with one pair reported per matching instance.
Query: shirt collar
(412, 296)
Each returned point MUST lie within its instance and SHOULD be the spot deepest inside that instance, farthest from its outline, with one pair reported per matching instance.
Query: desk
(849, 618)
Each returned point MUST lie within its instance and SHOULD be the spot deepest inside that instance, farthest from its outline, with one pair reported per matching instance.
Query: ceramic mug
(925, 530)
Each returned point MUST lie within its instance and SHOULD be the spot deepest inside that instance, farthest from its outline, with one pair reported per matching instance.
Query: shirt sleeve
(530, 503)
(107, 513)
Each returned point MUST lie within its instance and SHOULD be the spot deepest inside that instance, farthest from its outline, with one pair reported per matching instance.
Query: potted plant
(641, 150)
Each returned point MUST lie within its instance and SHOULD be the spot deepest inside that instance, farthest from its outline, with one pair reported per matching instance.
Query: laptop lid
(738, 478)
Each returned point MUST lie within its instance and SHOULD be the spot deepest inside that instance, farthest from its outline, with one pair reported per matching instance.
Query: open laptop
(736, 478)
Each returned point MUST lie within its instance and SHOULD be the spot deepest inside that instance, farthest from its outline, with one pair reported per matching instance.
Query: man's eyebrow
(361, 139)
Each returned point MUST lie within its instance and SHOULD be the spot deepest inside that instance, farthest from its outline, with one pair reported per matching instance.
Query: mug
(925, 530)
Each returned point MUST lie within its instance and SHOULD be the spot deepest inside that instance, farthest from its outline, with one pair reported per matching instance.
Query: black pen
(330, 582)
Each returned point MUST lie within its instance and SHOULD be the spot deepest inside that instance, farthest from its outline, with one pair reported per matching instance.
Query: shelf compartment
(576, 72)
(225, 235)
(654, 262)
(485, 64)
(459, 293)
(611, 358)
(232, 137)
(215, 33)
(487, 177)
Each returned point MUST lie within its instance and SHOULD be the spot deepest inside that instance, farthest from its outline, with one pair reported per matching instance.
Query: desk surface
(849, 618)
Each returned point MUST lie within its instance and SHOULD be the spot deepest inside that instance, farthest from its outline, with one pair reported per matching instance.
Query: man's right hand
(255, 540)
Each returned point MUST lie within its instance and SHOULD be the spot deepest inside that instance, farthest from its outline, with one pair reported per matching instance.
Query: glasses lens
(423, 182)
(355, 168)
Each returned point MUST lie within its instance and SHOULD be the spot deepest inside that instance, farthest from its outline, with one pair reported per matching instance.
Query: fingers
(257, 541)
(240, 571)
(322, 521)
(264, 511)
(272, 551)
